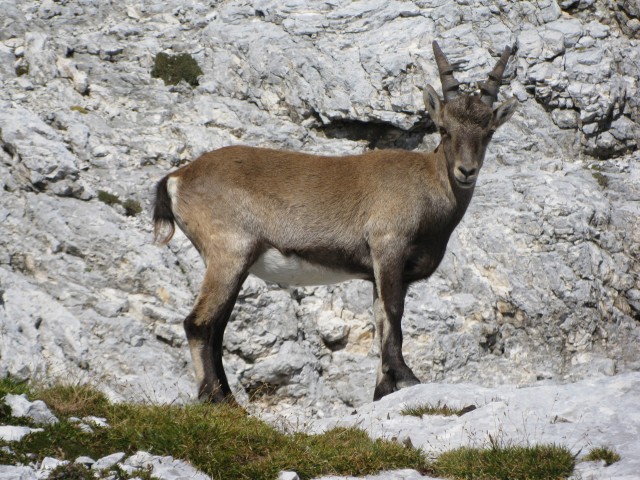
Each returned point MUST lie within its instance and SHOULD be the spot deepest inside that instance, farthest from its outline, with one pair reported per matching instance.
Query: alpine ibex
(293, 218)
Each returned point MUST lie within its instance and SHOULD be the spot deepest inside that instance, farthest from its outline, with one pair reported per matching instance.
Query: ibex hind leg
(206, 324)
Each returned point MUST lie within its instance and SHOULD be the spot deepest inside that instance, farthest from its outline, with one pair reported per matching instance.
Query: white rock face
(580, 416)
(540, 280)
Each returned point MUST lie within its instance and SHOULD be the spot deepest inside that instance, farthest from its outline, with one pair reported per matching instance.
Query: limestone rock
(9, 472)
(37, 411)
(107, 462)
(47, 465)
(164, 468)
(11, 433)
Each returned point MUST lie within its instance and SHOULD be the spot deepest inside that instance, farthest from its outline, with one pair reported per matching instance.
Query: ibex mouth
(465, 182)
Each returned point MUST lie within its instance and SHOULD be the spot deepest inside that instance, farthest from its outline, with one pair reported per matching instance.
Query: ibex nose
(467, 172)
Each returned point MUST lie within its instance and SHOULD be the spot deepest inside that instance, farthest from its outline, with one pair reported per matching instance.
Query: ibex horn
(448, 81)
(489, 89)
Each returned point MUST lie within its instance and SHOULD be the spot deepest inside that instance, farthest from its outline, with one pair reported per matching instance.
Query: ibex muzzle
(385, 216)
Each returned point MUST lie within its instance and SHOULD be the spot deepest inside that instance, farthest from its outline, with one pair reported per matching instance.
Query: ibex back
(292, 218)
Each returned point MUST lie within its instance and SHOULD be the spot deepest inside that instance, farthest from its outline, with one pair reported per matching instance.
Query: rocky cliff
(541, 279)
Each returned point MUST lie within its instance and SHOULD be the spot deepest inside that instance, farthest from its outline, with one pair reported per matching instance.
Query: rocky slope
(540, 280)
(581, 416)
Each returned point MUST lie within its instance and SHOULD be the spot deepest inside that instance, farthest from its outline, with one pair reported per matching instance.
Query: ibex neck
(458, 196)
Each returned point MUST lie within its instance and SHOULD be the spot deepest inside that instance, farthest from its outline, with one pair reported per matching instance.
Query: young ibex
(293, 218)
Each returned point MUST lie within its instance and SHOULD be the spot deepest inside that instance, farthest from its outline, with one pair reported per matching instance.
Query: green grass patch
(607, 454)
(174, 68)
(439, 408)
(220, 440)
(504, 463)
(131, 207)
(224, 442)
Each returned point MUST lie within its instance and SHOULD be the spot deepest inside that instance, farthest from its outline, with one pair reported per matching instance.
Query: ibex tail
(163, 214)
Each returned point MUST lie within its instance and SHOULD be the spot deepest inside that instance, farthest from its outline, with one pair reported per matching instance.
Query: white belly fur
(273, 266)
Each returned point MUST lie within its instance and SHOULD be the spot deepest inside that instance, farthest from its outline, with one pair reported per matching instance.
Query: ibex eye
(443, 131)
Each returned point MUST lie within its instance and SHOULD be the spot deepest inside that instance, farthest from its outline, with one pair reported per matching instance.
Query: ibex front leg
(388, 306)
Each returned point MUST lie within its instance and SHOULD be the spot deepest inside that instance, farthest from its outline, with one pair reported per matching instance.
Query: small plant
(607, 454)
(108, 198)
(173, 68)
(79, 109)
(601, 178)
(71, 471)
(22, 68)
(131, 207)
(7, 457)
(5, 411)
(430, 409)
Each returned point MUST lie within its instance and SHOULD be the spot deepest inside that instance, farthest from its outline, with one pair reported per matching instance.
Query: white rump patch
(172, 190)
(273, 266)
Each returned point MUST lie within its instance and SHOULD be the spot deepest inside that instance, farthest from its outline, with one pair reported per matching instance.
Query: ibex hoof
(206, 394)
(408, 382)
(389, 384)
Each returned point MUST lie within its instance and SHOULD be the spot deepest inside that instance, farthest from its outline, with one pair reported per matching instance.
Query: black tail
(163, 214)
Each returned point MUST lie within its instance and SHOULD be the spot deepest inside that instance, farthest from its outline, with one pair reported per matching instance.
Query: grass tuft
(79, 109)
(22, 68)
(601, 178)
(74, 400)
(108, 198)
(607, 454)
(71, 471)
(15, 386)
(528, 462)
(174, 68)
(439, 408)
(131, 207)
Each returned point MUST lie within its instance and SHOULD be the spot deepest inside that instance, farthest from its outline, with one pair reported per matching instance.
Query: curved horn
(489, 89)
(448, 81)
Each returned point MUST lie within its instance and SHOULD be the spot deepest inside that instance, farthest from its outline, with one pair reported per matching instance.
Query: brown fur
(385, 216)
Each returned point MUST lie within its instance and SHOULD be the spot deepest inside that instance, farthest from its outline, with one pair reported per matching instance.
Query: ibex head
(466, 122)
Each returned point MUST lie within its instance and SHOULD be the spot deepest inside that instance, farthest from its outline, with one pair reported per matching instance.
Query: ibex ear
(503, 113)
(433, 104)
